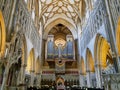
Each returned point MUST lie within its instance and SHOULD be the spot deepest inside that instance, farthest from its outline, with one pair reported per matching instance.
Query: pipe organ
(69, 47)
(60, 48)
(50, 47)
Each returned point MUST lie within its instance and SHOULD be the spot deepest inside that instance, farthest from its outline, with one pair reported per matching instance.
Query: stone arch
(82, 67)
(2, 35)
(102, 51)
(60, 21)
(22, 61)
(31, 61)
(21, 43)
(118, 37)
(90, 62)
(59, 80)
(37, 66)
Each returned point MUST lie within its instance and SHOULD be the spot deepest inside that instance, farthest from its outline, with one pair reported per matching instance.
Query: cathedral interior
(59, 44)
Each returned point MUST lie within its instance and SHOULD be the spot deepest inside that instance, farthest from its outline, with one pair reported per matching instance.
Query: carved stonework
(111, 81)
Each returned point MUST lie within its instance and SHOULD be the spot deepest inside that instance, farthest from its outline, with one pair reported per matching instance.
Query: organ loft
(59, 44)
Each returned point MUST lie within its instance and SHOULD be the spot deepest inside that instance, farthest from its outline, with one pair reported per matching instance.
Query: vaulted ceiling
(54, 12)
(66, 8)
(72, 10)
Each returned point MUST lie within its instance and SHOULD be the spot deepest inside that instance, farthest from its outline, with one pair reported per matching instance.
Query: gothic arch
(60, 80)
(102, 51)
(90, 62)
(2, 35)
(82, 67)
(60, 21)
(31, 61)
(37, 66)
(20, 43)
(118, 37)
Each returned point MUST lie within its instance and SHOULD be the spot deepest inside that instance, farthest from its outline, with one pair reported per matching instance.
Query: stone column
(44, 52)
(82, 81)
(11, 19)
(89, 83)
(76, 49)
(38, 79)
(23, 67)
(21, 78)
(32, 77)
(5, 77)
(98, 76)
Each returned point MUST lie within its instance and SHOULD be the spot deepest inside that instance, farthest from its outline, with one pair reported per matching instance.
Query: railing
(111, 81)
(95, 21)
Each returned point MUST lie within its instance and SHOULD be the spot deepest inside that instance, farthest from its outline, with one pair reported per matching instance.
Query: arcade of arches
(59, 44)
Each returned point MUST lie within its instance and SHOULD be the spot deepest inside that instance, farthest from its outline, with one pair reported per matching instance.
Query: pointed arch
(60, 80)
(82, 67)
(31, 61)
(63, 21)
(90, 62)
(2, 35)
(102, 51)
(24, 50)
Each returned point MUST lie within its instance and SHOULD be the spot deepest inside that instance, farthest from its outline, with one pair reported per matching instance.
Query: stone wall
(6, 7)
(95, 21)
(111, 81)
(23, 17)
(114, 11)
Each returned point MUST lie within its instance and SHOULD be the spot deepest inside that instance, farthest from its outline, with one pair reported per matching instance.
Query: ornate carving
(89, 30)
(111, 81)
